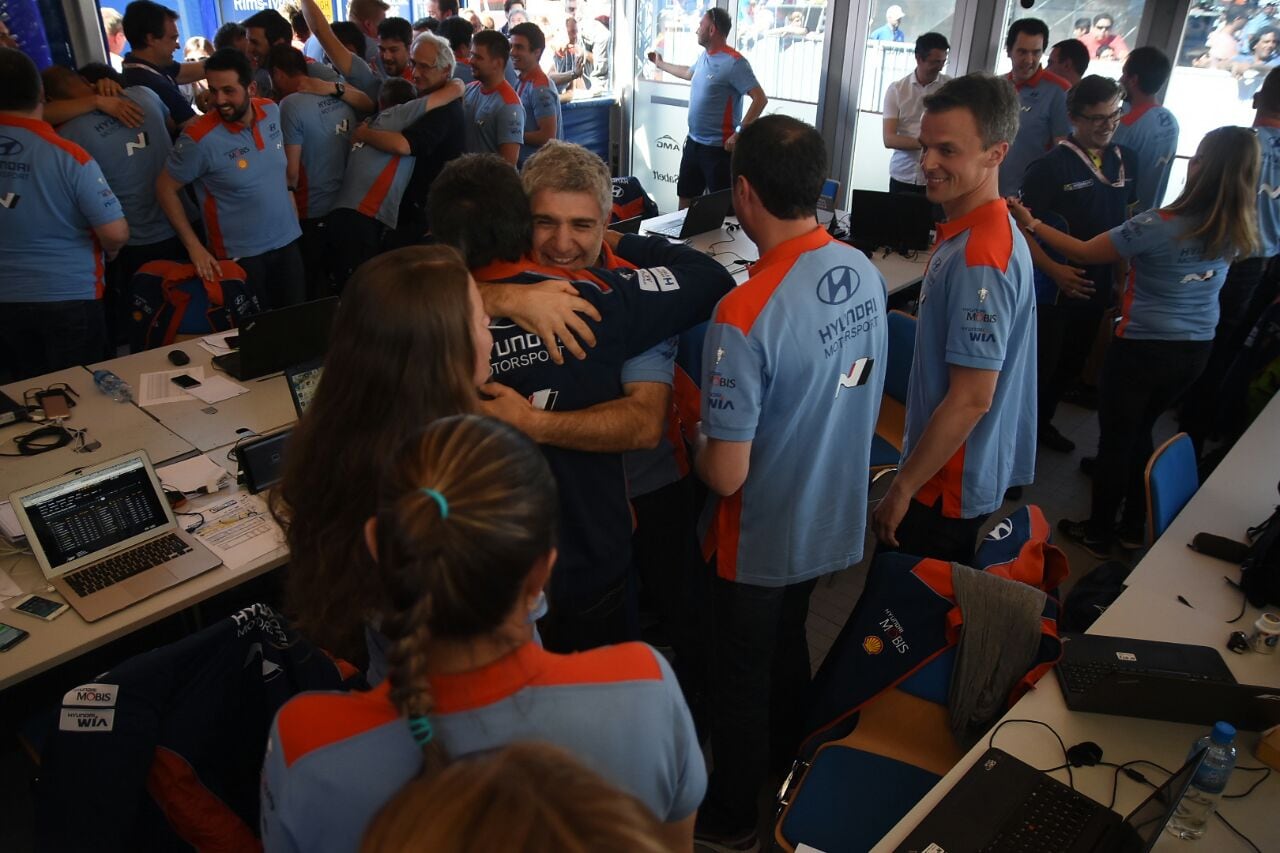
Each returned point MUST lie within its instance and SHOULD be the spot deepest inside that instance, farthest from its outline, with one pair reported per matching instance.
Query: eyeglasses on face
(1100, 120)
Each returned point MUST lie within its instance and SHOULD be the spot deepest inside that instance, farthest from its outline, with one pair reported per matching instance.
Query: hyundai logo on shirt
(838, 285)
(9, 147)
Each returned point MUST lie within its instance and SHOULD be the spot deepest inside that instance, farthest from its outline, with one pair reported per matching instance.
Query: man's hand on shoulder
(550, 309)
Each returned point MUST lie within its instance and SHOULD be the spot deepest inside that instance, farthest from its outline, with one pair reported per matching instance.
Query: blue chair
(1172, 478)
(886, 444)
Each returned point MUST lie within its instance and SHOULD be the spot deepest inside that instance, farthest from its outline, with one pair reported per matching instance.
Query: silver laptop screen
(91, 513)
(303, 384)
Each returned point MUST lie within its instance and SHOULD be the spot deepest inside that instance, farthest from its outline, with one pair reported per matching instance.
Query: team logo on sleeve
(657, 279)
(9, 200)
(859, 373)
(838, 285)
(983, 293)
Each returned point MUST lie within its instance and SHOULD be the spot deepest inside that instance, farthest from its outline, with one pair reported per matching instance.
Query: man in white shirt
(903, 108)
(113, 24)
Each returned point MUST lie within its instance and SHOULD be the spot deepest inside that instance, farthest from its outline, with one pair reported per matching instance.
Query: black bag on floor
(1092, 595)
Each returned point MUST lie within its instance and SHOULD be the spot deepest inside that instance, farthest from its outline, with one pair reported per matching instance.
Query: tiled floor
(1060, 490)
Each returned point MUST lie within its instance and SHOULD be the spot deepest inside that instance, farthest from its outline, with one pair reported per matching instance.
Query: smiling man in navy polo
(235, 157)
(152, 31)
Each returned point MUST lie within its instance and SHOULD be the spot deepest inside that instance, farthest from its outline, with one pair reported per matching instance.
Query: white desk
(266, 406)
(120, 427)
(1240, 492)
(729, 247)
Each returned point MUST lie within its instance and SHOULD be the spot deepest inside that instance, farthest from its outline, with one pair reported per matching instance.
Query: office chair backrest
(1171, 479)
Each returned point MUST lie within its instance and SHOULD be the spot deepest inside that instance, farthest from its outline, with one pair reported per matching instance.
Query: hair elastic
(439, 499)
(420, 728)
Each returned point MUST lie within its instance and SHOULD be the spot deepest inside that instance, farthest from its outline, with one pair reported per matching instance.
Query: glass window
(668, 27)
(1108, 30)
(783, 43)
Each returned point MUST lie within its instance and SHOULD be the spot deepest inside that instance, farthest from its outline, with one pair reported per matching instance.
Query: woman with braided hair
(463, 543)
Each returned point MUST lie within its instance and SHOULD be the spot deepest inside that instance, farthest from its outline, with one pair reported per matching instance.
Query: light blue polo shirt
(720, 79)
(239, 172)
(363, 78)
(650, 470)
(131, 159)
(322, 126)
(977, 309)
(1152, 133)
(1172, 290)
(494, 117)
(1269, 190)
(794, 362)
(540, 99)
(375, 180)
(462, 71)
(51, 194)
(334, 759)
(1041, 119)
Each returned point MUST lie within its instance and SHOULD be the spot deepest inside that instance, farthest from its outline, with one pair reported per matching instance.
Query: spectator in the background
(1146, 128)
(597, 41)
(197, 49)
(443, 9)
(458, 33)
(1069, 59)
(1251, 69)
(904, 107)
(1080, 28)
(510, 8)
(301, 32)
(1104, 34)
(425, 25)
(1226, 42)
(6, 37)
(231, 35)
(1265, 18)
(152, 31)
(891, 31)
(367, 15)
(394, 37)
(1106, 53)
(569, 58)
(113, 24)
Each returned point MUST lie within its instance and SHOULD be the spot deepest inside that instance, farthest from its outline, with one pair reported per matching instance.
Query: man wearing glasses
(1104, 34)
(1087, 184)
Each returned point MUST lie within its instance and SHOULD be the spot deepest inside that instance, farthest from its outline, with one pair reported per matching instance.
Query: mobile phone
(41, 608)
(182, 380)
(11, 636)
(55, 404)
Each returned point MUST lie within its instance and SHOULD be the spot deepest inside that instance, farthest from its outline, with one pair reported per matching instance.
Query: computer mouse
(178, 358)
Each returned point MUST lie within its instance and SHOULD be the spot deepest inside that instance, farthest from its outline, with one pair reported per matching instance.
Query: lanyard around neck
(1093, 167)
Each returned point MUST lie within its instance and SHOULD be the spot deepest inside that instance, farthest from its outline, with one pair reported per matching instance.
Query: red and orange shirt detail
(977, 310)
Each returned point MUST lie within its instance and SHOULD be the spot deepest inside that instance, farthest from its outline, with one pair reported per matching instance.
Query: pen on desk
(1184, 601)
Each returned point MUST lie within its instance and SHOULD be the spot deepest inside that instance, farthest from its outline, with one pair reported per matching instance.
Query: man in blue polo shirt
(1147, 128)
(495, 116)
(720, 77)
(57, 216)
(235, 157)
(152, 31)
(343, 47)
(792, 374)
(538, 95)
(317, 138)
(1091, 185)
(1042, 100)
(971, 417)
(265, 30)
(131, 158)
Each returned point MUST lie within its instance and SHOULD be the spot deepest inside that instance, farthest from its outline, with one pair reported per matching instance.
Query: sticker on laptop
(1128, 657)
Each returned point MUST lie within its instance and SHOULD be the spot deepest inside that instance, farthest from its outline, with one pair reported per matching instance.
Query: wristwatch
(339, 88)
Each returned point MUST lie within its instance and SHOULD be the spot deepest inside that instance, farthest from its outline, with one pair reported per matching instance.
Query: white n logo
(342, 127)
(1274, 192)
(9, 200)
(131, 147)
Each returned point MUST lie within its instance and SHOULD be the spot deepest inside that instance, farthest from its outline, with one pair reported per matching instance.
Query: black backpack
(1092, 595)
(1260, 574)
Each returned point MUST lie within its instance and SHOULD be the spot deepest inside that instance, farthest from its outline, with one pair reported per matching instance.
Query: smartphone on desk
(184, 381)
(11, 636)
(55, 405)
(41, 608)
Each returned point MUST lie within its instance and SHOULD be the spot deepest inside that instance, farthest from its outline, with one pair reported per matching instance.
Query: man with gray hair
(113, 25)
(433, 140)
(971, 410)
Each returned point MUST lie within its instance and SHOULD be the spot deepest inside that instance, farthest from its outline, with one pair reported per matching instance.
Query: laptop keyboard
(1081, 677)
(112, 570)
(1050, 819)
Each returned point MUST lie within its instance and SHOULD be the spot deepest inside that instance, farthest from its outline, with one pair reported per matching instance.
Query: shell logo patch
(873, 645)
(242, 163)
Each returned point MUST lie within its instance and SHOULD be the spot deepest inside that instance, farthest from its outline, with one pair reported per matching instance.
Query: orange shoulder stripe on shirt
(728, 50)
(45, 131)
(604, 665)
(508, 94)
(990, 235)
(203, 126)
(1131, 117)
(316, 720)
(743, 305)
(1061, 82)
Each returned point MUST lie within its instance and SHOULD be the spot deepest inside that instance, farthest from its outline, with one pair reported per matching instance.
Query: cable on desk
(42, 440)
(1243, 837)
(1266, 773)
(1070, 778)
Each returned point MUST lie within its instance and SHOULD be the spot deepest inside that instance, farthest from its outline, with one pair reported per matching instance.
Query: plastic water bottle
(113, 386)
(1196, 809)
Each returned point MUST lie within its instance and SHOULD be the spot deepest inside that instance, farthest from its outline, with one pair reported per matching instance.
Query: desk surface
(731, 247)
(121, 427)
(1240, 492)
(267, 406)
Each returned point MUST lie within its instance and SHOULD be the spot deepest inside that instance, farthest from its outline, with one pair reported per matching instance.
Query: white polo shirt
(904, 101)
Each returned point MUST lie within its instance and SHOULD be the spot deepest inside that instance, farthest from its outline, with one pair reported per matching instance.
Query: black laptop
(899, 221)
(1175, 682)
(1003, 804)
(627, 226)
(705, 213)
(273, 340)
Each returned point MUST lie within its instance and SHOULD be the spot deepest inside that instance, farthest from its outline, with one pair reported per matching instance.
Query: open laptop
(1003, 804)
(1175, 682)
(105, 537)
(273, 340)
(899, 221)
(705, 213)
(627, 226)
(303, 379)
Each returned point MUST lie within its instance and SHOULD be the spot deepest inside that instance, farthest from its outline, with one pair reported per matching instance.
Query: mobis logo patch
(92, 695)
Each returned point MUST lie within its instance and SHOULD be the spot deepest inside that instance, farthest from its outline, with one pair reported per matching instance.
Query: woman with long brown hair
(410, 345)
(462, 542)
(1179, 256)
